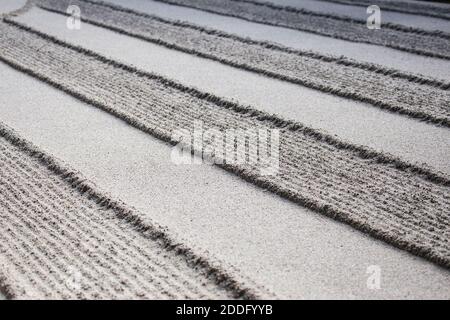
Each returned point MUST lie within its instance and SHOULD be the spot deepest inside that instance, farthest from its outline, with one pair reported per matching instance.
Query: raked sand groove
(418, 41)
(62, 238)
(417, 8)
(412, 95)
(404, 204)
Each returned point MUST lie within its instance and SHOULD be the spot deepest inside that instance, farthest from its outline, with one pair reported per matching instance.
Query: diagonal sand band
(62, 238)
(411, 7)
(358, 11)
(422, 42)
(414, 141)
(403, 204)
(306, 41)
(288, 248)
(390, 89)
(303, 255)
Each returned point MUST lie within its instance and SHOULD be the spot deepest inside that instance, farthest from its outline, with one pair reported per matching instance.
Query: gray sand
(359, 12)
(410, 139)
(11, 5)
(300, 256)
(303, 255)
(426, 43)
(437, 9)
(368, 191)
(85, 248)
(300, 40)
(421, 98)
(5, 7)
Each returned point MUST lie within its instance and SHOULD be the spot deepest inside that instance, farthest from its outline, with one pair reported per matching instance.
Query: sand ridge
(384, 88)
(402, 203)
(423, 42)
(359, 185)
(63, 238)
(416, 7)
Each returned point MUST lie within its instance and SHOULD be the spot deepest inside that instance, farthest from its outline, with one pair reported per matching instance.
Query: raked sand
(359, 12)
(437, 68)
(5, 7)
(291, 250)
(353, 121)
(302, 255)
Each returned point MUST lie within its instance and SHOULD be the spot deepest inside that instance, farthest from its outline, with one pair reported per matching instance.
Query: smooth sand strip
(296, 252)
(415, 19)
(396, 59)
(403, 204)
(387, 132)
(418, 41)
(414, 7)
(62, 238)
(407, 94)
(7, 6)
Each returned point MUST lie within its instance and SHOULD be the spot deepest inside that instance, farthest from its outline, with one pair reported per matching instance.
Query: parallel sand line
(418, 41)
(410, 7)
(401, 203)
(277, 121)
(404, 93)
(166, 24)
(77, 230)
(296, 250)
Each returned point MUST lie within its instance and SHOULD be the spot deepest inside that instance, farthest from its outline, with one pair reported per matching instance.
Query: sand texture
(304, 255)
(407, 94)
(423, 8)
(96, 201)
(428, 43)
(389, 132)
(352, 184)
(62, 238)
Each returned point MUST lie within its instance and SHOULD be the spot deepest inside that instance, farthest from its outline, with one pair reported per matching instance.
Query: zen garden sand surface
(92, 205)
